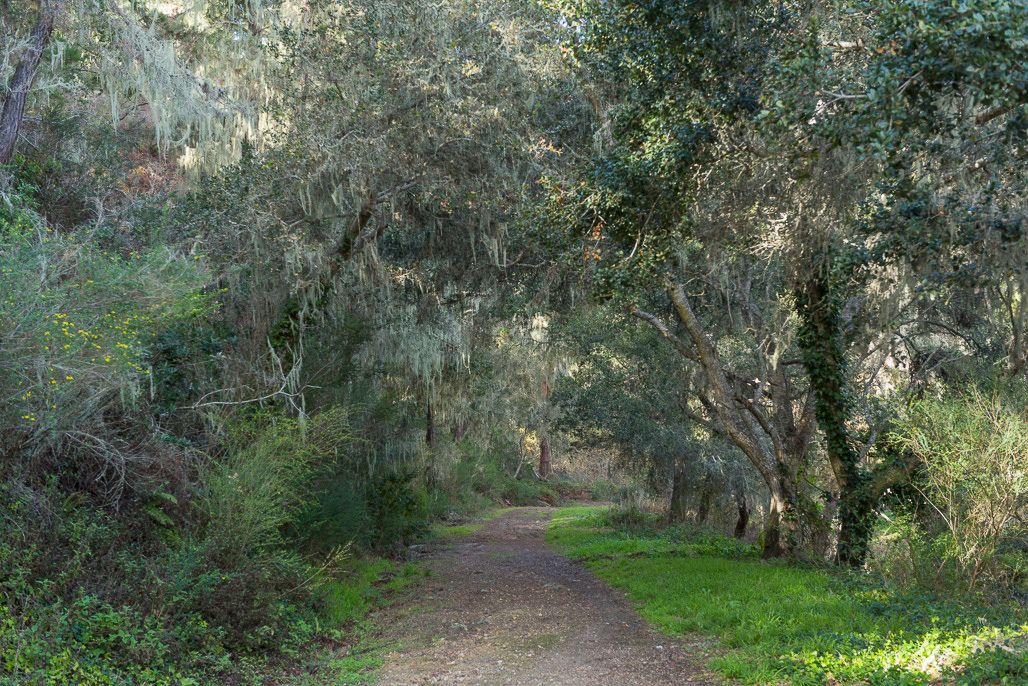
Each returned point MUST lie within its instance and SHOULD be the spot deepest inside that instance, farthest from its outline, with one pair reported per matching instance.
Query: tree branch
(664, 331)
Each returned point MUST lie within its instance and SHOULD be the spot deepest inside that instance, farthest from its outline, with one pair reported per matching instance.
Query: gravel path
(502, 607)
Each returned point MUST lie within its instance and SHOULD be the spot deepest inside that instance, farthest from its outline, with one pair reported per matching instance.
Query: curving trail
(503, 608)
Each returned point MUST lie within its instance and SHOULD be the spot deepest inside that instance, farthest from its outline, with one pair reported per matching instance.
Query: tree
(18, 88)
(783, 134)
(625, 389)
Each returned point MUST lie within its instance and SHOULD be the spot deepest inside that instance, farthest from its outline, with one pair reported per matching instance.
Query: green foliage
(397, 507)
(972, 449)
(629, 507)
(113, 600)
(80, 321)
(478, 478)
(779, 623)
(214, 402)
(82, 610)
(256, 491)
(602, 489)
(363, 584)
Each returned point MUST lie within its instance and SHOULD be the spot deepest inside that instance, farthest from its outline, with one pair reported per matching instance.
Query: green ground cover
(781, 623)
(357, 648)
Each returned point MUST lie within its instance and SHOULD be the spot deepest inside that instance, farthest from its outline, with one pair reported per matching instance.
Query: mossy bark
(823, 353)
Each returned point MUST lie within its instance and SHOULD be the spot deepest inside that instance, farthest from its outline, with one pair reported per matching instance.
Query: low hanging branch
(683, 349)
(286, 334)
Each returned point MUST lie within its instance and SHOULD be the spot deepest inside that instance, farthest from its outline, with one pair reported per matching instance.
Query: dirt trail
(502, 607)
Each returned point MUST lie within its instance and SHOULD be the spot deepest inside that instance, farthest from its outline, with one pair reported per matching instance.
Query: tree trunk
(677, 510)
(544, 457)
(779, 531)
(722, 406)
(544, 441)
(21, 81)
(744, 516)
(823, 353)
(779, 534)
(706, 499)
(429, 426)
(776, 538)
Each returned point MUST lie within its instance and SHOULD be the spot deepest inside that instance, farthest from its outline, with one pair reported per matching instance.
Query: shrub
(78, 322)
(602, 489)
(78, 609)
(253, 496)
(629, 507)
(973, 452)
(398, 507)
(340, 515)
(138, 597)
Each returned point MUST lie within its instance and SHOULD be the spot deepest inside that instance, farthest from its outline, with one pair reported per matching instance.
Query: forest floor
(500, 606)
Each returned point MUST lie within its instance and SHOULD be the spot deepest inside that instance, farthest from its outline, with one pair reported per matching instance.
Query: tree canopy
(285, 280)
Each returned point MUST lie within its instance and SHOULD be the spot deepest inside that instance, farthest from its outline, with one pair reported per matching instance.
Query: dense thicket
(284, 280)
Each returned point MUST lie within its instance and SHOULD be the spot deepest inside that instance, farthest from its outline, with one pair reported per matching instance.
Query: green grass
(786, 624)
(440, 530)
(367, 584)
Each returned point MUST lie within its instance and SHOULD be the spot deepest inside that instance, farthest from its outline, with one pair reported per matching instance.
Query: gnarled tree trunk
(744, 515)
(18, 89)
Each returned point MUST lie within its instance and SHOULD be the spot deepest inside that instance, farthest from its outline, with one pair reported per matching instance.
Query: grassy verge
(788, 624)
(353, 648)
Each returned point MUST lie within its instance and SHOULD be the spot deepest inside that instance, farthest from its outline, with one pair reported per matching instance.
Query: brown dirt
(502, 607)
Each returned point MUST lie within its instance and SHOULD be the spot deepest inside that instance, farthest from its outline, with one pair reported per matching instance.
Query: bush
(138, 597)
(474, 478)
(901, 552)
(78, 322)
(79, 609)
(629, 509)
(253, 497)
(602, 490)
(974, 479)
(398, 508)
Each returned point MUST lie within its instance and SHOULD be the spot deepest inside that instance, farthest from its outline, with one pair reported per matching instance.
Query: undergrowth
(801, 625)
(356, 649)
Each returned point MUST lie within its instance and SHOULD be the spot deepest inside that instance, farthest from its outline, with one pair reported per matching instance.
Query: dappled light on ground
(780, 621)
